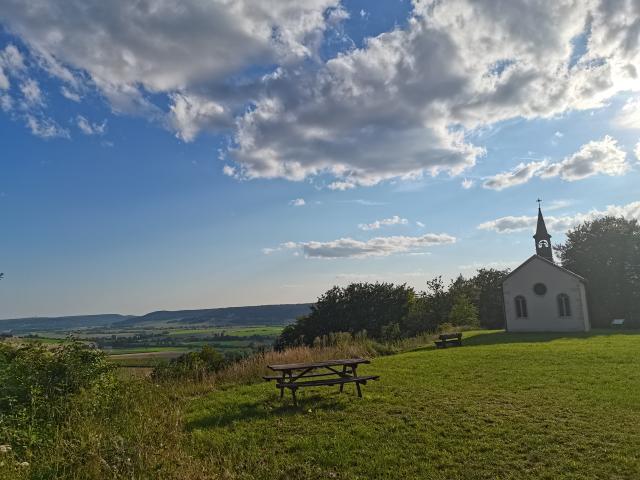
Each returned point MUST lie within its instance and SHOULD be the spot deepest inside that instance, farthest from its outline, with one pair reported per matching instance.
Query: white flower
(5, 448)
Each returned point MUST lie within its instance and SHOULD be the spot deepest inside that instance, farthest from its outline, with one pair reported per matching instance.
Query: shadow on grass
(248, 411)
(501, 337)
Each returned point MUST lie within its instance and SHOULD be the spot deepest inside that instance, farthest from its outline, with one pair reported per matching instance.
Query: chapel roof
(533, 257)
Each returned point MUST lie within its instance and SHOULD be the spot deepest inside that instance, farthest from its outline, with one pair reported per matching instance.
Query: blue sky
(292, 147)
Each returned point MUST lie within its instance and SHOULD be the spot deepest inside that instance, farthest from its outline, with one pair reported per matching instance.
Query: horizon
(259, 155)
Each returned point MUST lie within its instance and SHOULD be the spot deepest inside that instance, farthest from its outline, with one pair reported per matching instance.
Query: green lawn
(503, 406)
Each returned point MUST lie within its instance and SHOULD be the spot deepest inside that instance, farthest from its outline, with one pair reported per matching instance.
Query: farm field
(145, 347)
(504, 406)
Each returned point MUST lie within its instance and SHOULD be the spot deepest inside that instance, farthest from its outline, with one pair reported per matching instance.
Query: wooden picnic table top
(327, 363)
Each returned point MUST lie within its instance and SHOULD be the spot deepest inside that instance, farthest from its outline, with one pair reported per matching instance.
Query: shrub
(191, 365)
(463, 312)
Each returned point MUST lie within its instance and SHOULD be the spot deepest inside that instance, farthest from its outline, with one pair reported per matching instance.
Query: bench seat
(447, 339)
(331, 381)
(268, 378)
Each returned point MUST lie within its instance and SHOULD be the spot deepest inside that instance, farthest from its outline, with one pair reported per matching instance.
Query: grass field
(504, 406)
(231, 331)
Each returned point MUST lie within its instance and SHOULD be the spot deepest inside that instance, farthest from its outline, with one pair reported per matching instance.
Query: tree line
(606, 252)
(386, 311)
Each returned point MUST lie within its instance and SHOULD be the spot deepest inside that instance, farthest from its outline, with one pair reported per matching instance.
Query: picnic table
(339, 372)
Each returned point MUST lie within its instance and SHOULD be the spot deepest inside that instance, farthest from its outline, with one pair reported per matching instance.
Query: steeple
(542, 237)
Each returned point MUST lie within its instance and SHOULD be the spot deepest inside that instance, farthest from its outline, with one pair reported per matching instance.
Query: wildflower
(5, 448)
(24, 464)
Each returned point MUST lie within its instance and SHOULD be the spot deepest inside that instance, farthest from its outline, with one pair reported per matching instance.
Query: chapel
(541, 296)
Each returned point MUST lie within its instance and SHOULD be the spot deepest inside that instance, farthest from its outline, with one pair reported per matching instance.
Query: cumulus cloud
(603, 156)
(375, 247)
(165, 46)
(4, 80)
(45, 127)
(629, 115)
(189, 114)
(298, 202)
(510, 224)
(12, 60)
(596, 157)
(89, 128)
(6, 103)
(398, 107)
(70, 94)
(31, 92)
(520, 174)
(385, 222)
(467, 183)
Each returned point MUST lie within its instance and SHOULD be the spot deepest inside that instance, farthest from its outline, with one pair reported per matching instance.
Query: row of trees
(386, 311)
(606, 252)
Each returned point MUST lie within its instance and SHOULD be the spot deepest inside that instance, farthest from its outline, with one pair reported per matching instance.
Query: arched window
(564, 306)
(521, 307)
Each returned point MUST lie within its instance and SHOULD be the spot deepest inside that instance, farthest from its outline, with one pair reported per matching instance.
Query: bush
(463, 312)
(191, 365)
(37, 383)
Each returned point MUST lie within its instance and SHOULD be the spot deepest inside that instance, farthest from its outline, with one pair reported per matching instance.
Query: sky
(166, 154)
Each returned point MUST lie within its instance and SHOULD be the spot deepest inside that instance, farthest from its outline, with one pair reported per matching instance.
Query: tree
(489, 300)
(606, 252)
(463, 311)
(352, 309)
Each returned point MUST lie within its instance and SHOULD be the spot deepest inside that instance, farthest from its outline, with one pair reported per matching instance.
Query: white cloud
(4, 81)
(341, 185)
(70, 94)
(189, 114)
(629, 115)
(6, 103)
(398, 107)
(165, 46)
(89, 128)
(520, 174)
(45, 127)
(512, 224)
(385, 222)
(375, 247)
(12, 60)
(31, 92)
(603, 156)
(298, 202)
(596, 157)
(386, 110)
(420, 224)
(467, 183)
(636, 151)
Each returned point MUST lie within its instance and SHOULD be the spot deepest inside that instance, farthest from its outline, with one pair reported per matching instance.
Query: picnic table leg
(344, 370)
(293, 394)
(353, 369)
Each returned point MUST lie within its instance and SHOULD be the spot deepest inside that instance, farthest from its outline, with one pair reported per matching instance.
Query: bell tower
(542, 237)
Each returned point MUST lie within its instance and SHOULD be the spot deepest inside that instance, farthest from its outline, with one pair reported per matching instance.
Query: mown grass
(503, 406)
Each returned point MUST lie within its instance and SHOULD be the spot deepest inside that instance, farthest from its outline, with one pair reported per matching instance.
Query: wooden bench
(295, 375)
(449, 340)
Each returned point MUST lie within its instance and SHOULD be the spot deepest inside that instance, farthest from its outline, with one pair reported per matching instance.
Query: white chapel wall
(543, 315)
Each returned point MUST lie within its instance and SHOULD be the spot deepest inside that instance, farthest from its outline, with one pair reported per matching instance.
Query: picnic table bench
(297, 375)
(449, 339)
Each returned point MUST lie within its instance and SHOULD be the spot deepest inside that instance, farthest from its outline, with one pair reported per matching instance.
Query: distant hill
(48, 324)
(252, 315)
